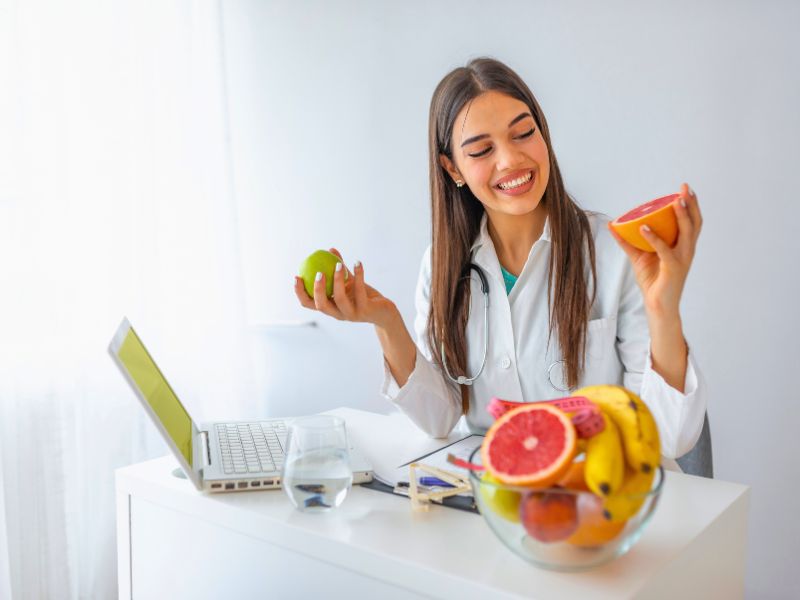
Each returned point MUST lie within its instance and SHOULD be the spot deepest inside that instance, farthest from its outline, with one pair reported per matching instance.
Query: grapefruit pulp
(532, 445)
(658, 214)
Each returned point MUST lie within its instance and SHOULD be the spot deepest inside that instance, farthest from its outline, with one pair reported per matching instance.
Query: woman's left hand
(662, 274)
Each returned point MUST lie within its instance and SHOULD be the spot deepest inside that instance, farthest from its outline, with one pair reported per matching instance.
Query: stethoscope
(463, 379)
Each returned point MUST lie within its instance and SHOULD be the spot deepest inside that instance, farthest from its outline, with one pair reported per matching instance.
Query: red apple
(549, 516)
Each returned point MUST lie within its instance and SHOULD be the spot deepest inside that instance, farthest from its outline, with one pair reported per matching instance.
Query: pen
(434, 481)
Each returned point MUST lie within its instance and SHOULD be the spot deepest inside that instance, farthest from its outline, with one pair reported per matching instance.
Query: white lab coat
(617, 348)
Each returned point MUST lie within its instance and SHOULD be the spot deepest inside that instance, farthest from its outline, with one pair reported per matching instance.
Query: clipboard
(466, 503)
(437, 459)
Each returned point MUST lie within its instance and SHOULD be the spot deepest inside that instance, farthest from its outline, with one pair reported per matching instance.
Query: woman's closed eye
(486, 150)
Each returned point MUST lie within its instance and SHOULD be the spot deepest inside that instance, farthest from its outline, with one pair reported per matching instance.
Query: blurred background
(174, 161)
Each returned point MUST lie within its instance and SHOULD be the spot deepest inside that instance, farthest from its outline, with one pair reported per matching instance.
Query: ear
(448, 166)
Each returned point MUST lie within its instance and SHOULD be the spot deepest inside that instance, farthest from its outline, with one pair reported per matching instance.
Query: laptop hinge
(206, 449)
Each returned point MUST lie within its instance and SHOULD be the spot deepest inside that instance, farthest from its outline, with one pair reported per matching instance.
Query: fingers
(685, 223)
(690, 221)
(340, 296)
(665, 253)
(694, 207)
(321, 300)
(339, 256)
(359, 287)
(302, 295)
(632, 251)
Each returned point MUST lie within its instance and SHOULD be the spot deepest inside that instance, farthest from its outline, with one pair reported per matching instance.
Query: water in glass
(316, 471)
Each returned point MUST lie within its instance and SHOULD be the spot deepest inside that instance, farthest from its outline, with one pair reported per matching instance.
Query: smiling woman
(563, 302)
(497, 140)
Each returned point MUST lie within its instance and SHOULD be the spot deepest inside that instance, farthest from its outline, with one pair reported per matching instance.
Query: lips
(519, 174)
(518, 190)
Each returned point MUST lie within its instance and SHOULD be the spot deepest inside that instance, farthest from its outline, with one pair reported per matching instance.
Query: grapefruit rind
(658, 214)
(543, 477)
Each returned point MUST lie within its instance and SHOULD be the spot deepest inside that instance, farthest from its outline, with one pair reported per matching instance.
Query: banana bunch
(621, 460)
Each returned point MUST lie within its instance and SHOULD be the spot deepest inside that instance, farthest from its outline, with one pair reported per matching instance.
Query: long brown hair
(456, 218)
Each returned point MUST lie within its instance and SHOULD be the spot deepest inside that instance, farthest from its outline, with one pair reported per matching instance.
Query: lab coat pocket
(601, 337)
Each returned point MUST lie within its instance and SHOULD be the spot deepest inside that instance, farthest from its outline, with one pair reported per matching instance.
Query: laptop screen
(154, 388)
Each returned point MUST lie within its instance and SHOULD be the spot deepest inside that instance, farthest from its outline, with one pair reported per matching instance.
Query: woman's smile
(501, 155)
(517, 183)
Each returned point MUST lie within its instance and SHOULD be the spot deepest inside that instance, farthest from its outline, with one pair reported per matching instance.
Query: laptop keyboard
(251, 447)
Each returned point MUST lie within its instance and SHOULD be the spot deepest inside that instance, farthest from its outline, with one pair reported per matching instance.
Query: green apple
(323, 262)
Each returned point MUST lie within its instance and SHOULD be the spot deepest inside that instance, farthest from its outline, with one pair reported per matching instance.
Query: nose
(508, 157)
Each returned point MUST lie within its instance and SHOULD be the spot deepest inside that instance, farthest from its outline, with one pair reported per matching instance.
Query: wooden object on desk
(421, 500)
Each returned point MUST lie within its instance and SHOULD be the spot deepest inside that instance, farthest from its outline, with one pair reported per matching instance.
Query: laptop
(216, 457)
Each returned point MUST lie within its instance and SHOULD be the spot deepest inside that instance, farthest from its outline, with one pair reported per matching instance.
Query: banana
(605, 464)
(630, 497)
(637, 427)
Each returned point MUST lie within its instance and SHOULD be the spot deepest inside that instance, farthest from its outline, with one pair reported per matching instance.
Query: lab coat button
(505, 363)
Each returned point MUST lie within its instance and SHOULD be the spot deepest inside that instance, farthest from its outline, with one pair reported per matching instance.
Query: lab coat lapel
(536, 265)
(485, 256)
(500, 377)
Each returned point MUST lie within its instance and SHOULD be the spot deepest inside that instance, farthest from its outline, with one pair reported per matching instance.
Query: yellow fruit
(605, 463)
(502, 501)
(640, 440)
(627, 502)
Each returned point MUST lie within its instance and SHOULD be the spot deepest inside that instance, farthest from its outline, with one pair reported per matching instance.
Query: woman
(566, 308)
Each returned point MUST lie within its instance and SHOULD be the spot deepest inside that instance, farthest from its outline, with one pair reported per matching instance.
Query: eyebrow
(514, 121)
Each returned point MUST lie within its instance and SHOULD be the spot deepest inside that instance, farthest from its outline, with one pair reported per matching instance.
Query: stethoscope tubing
(463, 379)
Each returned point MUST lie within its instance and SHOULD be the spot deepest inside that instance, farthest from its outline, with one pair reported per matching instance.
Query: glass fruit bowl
(562, 528)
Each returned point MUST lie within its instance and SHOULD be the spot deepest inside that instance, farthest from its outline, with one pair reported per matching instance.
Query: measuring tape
(585, 415)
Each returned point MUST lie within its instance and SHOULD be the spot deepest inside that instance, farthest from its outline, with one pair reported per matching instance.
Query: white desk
(174, 542)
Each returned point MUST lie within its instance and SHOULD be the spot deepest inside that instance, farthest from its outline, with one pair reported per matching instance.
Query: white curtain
(115, 200)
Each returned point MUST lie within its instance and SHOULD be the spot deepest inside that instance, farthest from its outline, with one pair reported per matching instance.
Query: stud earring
(459, 183)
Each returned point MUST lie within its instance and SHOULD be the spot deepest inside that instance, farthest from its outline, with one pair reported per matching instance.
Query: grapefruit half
(532, 445)
(658, 214)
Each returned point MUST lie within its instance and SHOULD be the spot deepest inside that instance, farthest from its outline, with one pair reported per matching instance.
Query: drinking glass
(316, 471)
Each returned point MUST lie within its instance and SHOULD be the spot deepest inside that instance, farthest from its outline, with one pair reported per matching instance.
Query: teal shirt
(509, 279)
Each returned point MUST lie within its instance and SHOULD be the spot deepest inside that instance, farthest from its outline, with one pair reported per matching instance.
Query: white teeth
(516, 182)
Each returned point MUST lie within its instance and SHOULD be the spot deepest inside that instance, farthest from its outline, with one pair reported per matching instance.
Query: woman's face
(500, 154)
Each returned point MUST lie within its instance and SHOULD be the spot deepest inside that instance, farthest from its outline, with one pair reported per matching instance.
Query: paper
(438, 458)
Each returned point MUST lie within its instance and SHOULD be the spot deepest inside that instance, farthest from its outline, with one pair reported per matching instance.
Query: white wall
(328, 106)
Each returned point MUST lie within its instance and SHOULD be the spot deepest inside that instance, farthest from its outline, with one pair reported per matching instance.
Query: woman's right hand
(353, 299)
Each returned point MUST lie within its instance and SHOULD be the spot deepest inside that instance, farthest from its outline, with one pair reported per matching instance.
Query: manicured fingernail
(683, 202)
(646, 228)
(358, 264)
(691, 191)
(338, 266)
(318, 277)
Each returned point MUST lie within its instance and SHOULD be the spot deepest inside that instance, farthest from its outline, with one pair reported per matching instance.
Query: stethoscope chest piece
(557, 376)
(556, 373)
